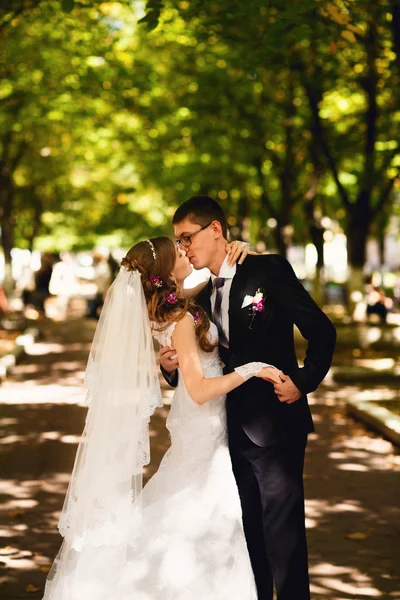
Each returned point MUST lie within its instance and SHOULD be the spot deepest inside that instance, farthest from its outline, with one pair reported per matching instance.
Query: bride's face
(182, 268)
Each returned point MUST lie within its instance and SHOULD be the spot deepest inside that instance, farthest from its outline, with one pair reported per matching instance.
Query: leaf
(14, 514)
(357, 535)
(151, 20)
(336, 15)
(355, 29)
(32, 588)
(44, 569)
(332, 48)
(349, 36)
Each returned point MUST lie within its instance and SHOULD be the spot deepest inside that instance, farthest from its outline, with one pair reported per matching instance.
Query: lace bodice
(182, 405)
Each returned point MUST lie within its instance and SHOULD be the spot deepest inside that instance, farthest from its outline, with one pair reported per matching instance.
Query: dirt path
(352, 477)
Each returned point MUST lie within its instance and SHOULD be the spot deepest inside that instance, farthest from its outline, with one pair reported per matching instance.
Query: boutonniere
(255, 303)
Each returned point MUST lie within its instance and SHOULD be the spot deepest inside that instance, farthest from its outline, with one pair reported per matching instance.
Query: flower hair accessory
(153, 250)
(156, 281)
(171, 298)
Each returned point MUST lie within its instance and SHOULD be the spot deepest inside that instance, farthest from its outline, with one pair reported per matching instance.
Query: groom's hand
(168, 359)
(286, 390)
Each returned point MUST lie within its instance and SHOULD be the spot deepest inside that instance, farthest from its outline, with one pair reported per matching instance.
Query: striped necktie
(218, 284)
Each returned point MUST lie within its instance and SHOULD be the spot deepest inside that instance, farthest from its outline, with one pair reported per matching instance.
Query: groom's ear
(217, 229)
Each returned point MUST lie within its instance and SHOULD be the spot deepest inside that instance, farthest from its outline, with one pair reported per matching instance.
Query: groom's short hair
(201, 210)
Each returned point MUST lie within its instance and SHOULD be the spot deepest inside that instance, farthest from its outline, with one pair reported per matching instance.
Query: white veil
(102, 507)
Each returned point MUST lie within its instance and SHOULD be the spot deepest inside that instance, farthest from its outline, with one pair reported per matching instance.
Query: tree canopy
(111, 115)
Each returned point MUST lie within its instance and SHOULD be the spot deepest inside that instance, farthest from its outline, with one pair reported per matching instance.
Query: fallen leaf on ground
(14, 514)
(44, 569)
(32, 588)
(358, 535)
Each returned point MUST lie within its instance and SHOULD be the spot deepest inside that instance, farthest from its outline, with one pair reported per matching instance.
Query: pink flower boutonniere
(256, 304)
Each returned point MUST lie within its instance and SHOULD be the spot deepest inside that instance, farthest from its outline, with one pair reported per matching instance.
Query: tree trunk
(280, 241)
(316, 233)
(37, 215)
(381, 241)
(287, 176)
(7, 225)
(243, 210)
(358, 230)
(359, 222)
(395, 8)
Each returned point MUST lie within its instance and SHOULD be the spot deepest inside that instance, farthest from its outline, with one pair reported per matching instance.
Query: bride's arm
(200, 388)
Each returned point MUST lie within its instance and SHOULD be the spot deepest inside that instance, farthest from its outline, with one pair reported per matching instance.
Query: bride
(180, 537)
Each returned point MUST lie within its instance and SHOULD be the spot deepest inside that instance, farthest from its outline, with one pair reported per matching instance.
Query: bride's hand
(270, 374)
(237, 252)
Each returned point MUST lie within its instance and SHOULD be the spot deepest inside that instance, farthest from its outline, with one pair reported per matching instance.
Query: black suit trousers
(270, 483)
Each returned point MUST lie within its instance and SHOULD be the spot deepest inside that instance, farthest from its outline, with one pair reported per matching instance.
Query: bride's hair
(141, 258)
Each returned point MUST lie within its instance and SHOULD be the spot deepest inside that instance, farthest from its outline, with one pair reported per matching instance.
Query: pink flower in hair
(171, 298)
(156, 281)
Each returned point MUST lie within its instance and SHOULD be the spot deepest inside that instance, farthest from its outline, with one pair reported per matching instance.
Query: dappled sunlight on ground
(351, 482)
(328, 579)
(351, 475)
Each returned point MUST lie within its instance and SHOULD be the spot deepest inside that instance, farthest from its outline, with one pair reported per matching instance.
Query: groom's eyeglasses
(186, 240)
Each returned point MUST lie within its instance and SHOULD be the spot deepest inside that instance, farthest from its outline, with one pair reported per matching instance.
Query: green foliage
(107, 124)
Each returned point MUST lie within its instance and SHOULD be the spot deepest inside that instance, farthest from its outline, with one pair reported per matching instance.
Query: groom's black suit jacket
(254, 405)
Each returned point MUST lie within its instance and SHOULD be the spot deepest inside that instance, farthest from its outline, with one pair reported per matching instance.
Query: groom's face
(201, 251)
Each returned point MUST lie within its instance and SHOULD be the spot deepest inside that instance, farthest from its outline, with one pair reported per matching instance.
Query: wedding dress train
(191, 544)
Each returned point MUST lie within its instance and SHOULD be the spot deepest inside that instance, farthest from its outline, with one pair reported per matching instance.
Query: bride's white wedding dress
(191, 544)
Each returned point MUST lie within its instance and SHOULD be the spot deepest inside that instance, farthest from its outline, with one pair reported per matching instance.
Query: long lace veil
(102, 509)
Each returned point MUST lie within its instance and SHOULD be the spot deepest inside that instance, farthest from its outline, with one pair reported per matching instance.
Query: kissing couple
(223, 517)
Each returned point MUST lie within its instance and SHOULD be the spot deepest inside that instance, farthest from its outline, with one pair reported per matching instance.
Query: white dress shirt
(228, 273)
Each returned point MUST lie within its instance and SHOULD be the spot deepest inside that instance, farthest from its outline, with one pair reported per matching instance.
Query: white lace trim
(250, 369)
(163, 336)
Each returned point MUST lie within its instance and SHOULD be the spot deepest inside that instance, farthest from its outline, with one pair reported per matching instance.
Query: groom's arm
(313, 324)
(170, 378)
(169, 365)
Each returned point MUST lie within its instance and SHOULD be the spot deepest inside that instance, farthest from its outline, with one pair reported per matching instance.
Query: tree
(356, 130)
(58, 167)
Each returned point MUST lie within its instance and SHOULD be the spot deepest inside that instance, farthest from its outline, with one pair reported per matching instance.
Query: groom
(267, 425)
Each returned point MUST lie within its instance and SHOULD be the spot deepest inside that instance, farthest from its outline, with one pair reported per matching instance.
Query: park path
(352, 476)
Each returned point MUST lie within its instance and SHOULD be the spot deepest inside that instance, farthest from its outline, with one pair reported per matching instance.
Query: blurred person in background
(378, 303)
(34, 285)
(42, 279)
(114, 266)
(102, 279)
(26, 285)
(64, 283)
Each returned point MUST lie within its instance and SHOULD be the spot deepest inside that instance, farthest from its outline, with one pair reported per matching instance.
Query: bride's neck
(179, 287)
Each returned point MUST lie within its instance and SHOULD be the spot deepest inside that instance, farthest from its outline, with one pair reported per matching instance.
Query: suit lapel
(244, 283)
(235, 302)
